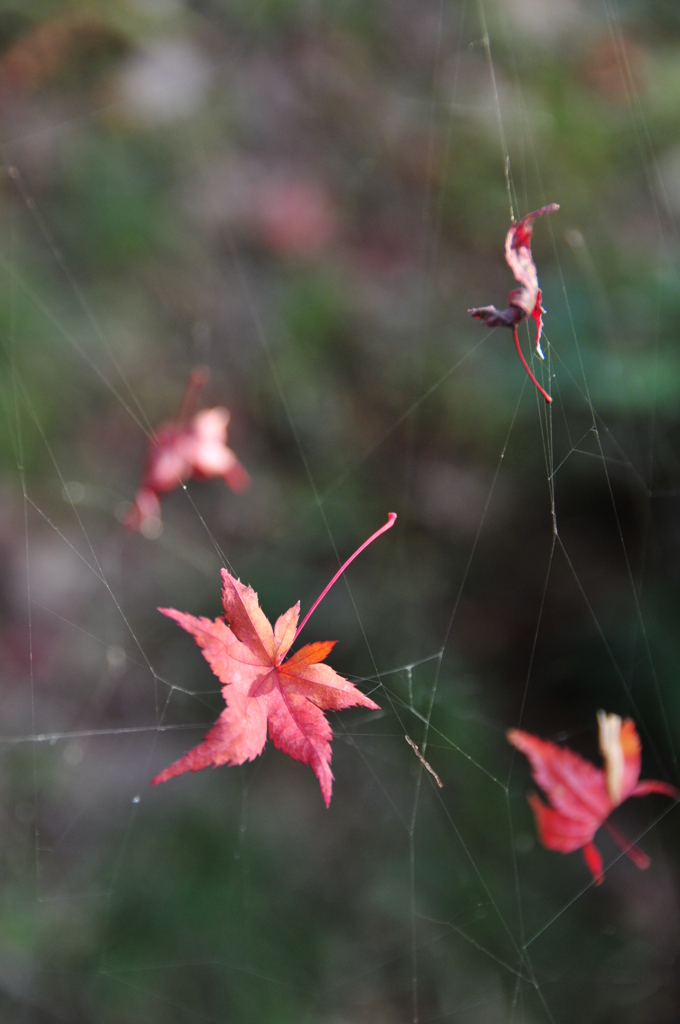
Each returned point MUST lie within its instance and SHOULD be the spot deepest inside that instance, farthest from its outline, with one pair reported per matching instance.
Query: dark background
(307, 197)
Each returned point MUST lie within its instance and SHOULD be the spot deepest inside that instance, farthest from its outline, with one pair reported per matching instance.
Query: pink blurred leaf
(194, 445)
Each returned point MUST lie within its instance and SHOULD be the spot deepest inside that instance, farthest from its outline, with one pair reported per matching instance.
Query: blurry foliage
(110, 208)
(233, 895)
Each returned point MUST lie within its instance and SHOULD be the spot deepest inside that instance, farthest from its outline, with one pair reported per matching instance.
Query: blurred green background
(307, 197)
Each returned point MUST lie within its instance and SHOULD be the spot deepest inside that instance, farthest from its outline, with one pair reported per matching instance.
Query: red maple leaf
(262, 691)
(581, 796)
(525, 301)
(195, 446)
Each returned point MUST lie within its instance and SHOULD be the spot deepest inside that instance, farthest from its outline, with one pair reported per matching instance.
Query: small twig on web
(424, 763)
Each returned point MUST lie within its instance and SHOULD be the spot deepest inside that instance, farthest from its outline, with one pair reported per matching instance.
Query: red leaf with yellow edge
(581, 796)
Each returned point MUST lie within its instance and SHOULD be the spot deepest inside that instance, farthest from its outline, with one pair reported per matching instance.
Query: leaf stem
(639, 859)
(391, 519)
(198, 378)
(527, 368)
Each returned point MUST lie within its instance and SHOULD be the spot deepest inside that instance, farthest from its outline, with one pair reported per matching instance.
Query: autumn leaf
(264, 692)
(525, 301)
(581, 796)
(195, 446)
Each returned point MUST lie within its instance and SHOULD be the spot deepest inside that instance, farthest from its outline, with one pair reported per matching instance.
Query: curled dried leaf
(525, 301)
